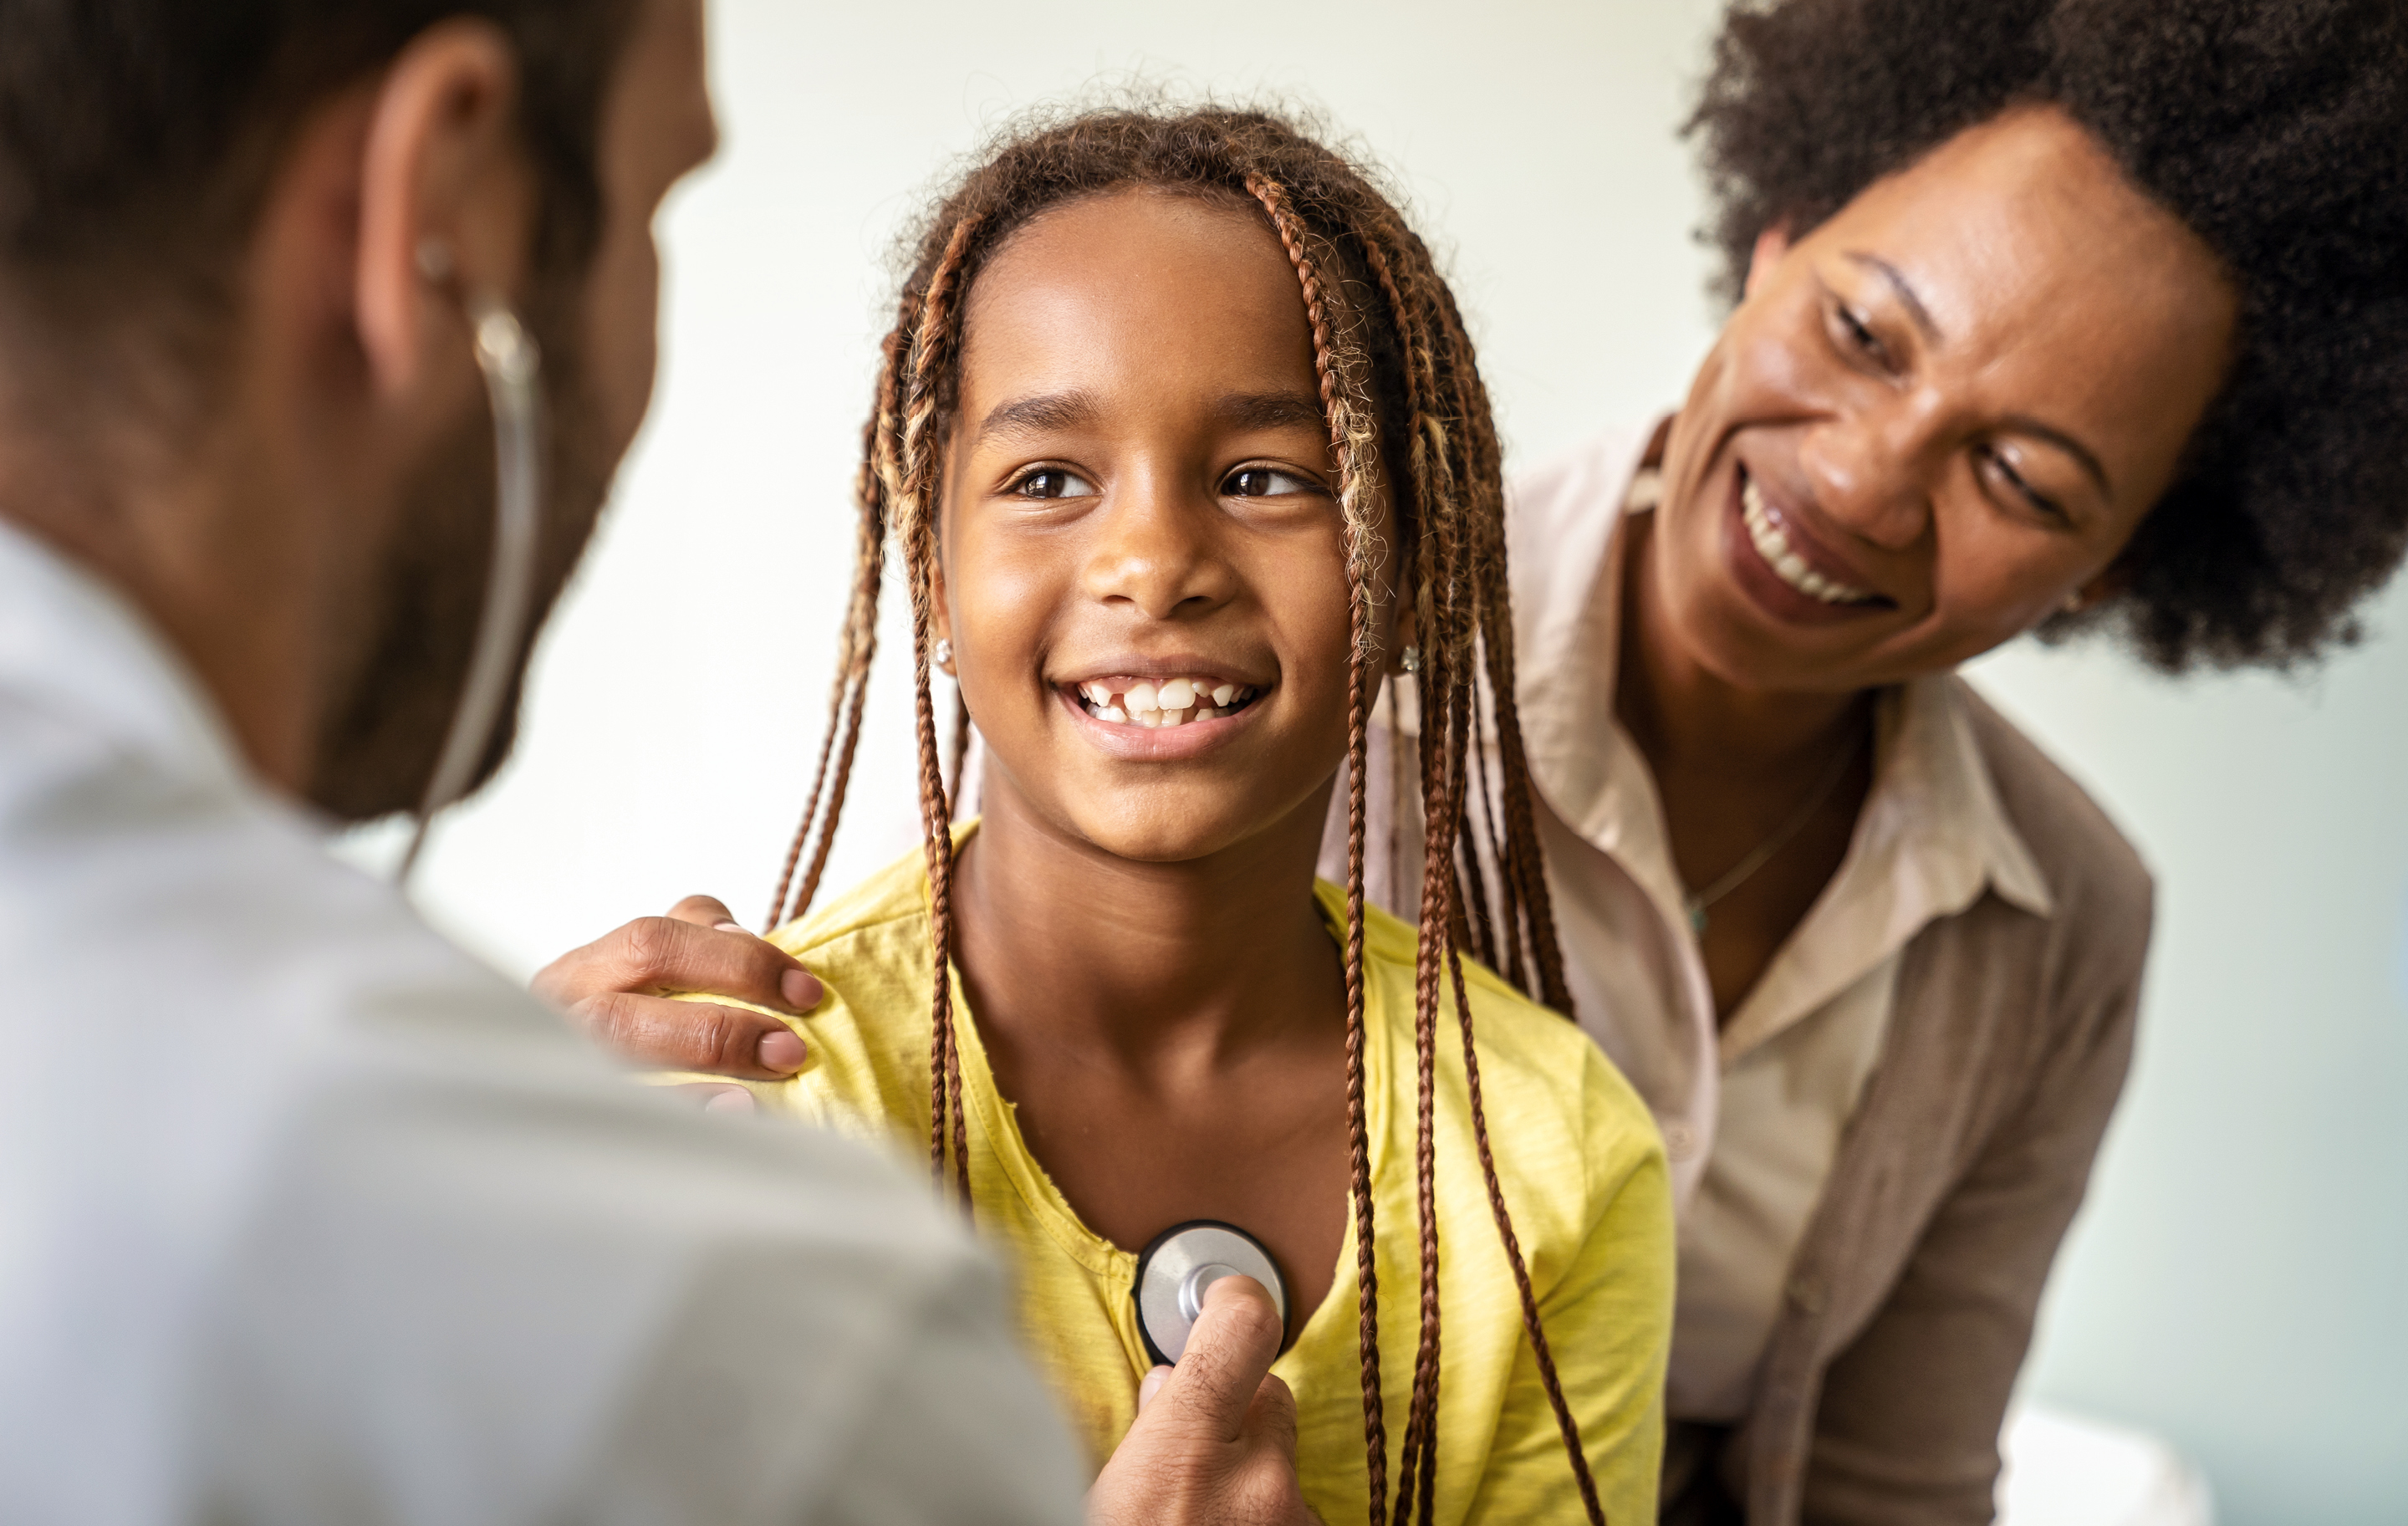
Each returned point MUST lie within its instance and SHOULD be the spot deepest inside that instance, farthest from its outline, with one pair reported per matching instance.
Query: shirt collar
(1940, 785)
(73, 646)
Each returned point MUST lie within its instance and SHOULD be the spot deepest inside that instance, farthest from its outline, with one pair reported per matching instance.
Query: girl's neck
(1148, 965)
(1687, 718)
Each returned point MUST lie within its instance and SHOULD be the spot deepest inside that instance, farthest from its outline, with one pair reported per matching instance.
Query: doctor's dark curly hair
(2276, 129)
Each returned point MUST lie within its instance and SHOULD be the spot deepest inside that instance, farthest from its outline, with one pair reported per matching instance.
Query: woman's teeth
(1173, 701)
(1782, 558)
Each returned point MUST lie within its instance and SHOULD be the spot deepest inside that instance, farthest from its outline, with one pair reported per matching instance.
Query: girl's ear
(940, 633)
(1407, 637)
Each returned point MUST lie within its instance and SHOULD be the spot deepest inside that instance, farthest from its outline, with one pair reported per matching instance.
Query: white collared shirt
(1752, 1111)
(306, 1217)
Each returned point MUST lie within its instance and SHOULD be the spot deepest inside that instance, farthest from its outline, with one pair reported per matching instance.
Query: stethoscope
(512, 367)
(1182, 1261)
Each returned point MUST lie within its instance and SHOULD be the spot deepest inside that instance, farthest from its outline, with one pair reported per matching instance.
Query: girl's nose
(1870, 473)
(1155, 551)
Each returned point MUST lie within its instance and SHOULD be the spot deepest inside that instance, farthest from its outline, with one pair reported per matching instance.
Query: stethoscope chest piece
(1181, 1262)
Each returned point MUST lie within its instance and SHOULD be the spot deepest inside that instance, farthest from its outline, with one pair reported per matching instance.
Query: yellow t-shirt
(1577, 1154)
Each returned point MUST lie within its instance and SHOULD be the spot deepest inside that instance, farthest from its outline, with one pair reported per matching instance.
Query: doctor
(303, 1216)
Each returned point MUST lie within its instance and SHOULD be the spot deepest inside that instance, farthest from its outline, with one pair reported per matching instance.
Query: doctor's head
(2052, 313)
(238, 242)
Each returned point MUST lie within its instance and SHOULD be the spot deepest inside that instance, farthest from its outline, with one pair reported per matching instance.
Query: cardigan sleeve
(1907, 1426)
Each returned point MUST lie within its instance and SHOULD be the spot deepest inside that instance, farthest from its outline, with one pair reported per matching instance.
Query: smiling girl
(1183, 445)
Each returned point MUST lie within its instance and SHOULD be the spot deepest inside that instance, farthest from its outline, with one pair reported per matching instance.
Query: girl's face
(1937, 416)
(1143, 566)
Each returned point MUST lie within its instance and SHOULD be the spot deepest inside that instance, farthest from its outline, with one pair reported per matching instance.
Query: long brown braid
(1402, 397)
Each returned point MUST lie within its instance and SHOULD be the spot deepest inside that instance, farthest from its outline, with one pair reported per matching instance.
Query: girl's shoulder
(892, 904)
(1550, 1094)
(864, 1070)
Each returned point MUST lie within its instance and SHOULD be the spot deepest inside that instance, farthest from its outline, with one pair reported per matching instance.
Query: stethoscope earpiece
(1181, 1263)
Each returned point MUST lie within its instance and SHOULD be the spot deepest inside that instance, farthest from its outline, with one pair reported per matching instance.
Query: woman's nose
(1155, 551)
(1869, 473)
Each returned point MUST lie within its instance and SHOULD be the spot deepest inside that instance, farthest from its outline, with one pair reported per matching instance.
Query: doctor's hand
(1214, 1442)
(617, 989)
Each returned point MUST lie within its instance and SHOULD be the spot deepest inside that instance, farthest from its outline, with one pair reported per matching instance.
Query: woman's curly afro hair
(2276, 129)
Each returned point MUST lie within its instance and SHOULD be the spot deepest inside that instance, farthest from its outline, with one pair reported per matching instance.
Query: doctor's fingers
(1214, 1442)
(653, 1033)
(698, 947)
(1219, 1379)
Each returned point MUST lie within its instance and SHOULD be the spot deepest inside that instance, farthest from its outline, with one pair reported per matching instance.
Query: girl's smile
(1143, 563)
(1161, 712)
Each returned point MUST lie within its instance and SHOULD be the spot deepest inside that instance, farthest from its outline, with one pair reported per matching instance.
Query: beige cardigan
(1911, 1300)
(1912, 1292)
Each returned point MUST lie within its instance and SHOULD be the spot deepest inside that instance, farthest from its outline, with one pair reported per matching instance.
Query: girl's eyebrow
(1054, 412)
(1271, 410)
(1048, 412)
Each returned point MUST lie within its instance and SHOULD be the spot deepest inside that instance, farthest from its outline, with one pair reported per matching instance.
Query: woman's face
(1937, 417)
(1144, 575)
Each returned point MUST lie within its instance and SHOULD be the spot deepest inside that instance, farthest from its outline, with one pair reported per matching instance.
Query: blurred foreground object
(2063, 1470)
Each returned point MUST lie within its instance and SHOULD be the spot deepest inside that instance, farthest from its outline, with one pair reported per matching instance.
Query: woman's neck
(1689, 719)
(1155, 967)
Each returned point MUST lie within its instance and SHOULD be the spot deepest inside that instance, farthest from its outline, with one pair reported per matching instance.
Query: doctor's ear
(445, 198)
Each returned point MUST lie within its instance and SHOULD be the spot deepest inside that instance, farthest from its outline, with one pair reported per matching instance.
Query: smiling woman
(1938, 417)
(2053, 314)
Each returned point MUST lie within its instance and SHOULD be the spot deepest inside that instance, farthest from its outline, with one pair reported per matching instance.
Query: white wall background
(2239, 1278)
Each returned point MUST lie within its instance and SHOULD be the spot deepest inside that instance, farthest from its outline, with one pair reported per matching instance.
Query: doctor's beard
(392, 702)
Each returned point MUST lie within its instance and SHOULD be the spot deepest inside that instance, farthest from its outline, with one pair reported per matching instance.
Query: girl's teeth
(1177, 702)
(1782, 558)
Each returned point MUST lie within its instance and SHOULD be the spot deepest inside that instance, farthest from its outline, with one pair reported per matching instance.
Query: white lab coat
(307, 1217)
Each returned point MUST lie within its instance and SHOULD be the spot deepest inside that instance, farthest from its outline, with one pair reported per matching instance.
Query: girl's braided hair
(1405, 407)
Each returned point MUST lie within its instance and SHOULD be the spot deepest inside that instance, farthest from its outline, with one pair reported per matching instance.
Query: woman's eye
(1053, 482)
(1263, 483)
(1860, 336)
(1998, 467)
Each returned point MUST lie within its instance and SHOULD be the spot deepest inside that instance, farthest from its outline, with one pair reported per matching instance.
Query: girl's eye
(1053, 482)
(1995, 462)
(1263, 483)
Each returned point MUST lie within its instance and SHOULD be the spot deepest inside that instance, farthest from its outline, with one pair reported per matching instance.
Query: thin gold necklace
(1645, 492)
(1697, 901)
